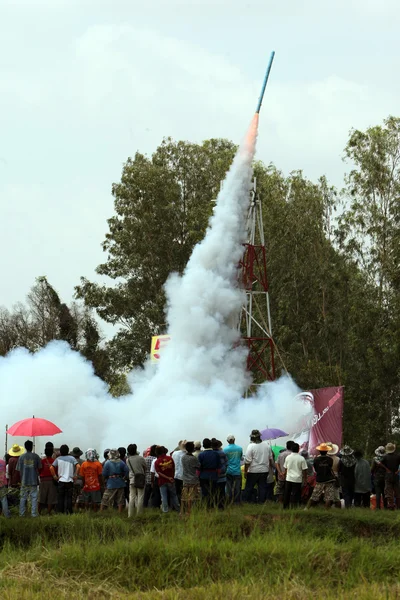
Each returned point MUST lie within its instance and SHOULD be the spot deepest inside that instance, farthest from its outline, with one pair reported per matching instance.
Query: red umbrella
(34, 427)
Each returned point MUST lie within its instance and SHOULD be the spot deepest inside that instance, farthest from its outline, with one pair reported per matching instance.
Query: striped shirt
(149, 459)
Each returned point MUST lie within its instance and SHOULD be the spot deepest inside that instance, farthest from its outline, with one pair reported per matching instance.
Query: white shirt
(177, 458)
(153, 468)
(65, 468)
(295, 464)
(259, 457)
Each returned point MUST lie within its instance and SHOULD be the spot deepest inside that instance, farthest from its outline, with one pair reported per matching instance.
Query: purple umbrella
(272, 434)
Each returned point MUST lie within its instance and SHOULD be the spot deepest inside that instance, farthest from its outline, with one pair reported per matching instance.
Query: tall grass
(251, 552)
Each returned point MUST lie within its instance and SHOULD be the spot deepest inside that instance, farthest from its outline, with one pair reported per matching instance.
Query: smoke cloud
(196, 390)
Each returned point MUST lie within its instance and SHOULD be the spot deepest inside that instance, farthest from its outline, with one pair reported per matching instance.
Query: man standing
(210, 465)
(91, 473)
(326, 480)
(257, 463)
(14, 476)
(177, 458)
(280, 461)
(362, 485)
(29, 465)
(137, 479)
(234, 454)
(165, 468)
(191, 486)
(296, 474)
(391, 462)
(77, 496)
(115, 473)
(148, 487)
(47, 486)
(65, 475)
(221, 481)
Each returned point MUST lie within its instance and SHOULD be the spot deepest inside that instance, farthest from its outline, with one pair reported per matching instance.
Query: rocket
(265, 82)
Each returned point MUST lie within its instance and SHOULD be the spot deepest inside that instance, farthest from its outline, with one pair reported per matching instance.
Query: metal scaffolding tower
(255, 317)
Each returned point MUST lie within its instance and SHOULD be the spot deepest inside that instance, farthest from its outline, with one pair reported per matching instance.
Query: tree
(162, 208)
(369, 234)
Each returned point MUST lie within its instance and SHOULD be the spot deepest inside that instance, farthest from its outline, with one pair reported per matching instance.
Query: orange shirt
(90, 471)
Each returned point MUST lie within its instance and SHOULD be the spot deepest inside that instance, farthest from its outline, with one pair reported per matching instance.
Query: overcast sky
(84, 84)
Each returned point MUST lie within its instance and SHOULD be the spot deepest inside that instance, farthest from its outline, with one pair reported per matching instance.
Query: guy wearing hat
(14, 476)
(257, 463)
(391, 463)
(233, 473)
(325, 485)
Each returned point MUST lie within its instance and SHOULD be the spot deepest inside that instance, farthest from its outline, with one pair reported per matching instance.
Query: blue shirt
(29, 465)
(234, 454)
(115, 471)
(210, 462)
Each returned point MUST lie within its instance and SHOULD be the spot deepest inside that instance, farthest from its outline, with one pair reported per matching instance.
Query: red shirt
(164, 465)
(44, 472)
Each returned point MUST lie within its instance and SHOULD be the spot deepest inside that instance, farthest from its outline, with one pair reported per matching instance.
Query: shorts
(93, 496)
(190, 492)
(280, 487)
(47, 493)
(327, 490)
(114, 495)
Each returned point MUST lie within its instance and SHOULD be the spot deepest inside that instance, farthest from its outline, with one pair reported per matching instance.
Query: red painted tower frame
(255, 318)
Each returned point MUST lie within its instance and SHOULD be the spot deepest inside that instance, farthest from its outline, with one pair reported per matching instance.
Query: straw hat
(390, 448)
(16, 450)
(334, 449)
(323, 448)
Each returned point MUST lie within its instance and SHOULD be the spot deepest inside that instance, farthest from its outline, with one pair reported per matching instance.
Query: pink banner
(327, 422)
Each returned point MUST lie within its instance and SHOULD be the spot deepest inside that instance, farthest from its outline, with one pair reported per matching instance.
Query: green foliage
(315, 554)
(162, 207)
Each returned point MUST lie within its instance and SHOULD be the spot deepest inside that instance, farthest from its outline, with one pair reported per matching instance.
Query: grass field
(247, 553)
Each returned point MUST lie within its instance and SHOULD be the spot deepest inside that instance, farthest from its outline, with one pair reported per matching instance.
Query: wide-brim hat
(390, 448)
(16, 450)
(323, 448)
(334, 449)
(77, 451)
(347, 451)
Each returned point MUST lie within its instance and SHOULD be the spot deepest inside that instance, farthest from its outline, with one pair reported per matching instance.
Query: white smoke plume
(196, 390)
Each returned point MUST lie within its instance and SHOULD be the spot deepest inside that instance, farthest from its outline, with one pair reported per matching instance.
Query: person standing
(29, 465)
(148, 487)
(64, 470)
(197, 449)
(280, 484)
(77, 495)
(378, 474)
(221, 481)
(258, 461)
(296, 474)
(47, 486)
(326, 481)
(137, 479)
(234, 454)
(177, 458)
(14, 477)
(165, 468)
(210, 464)
(346, 470)
(191, 486)
(115, 473)
(91, 473)
(362, 483)
(3, 490)
(391, 462)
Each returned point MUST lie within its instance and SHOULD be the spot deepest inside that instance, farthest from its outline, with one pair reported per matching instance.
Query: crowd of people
(194, 473)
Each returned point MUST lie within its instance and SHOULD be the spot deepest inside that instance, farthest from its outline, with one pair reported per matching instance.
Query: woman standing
(378, 474)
